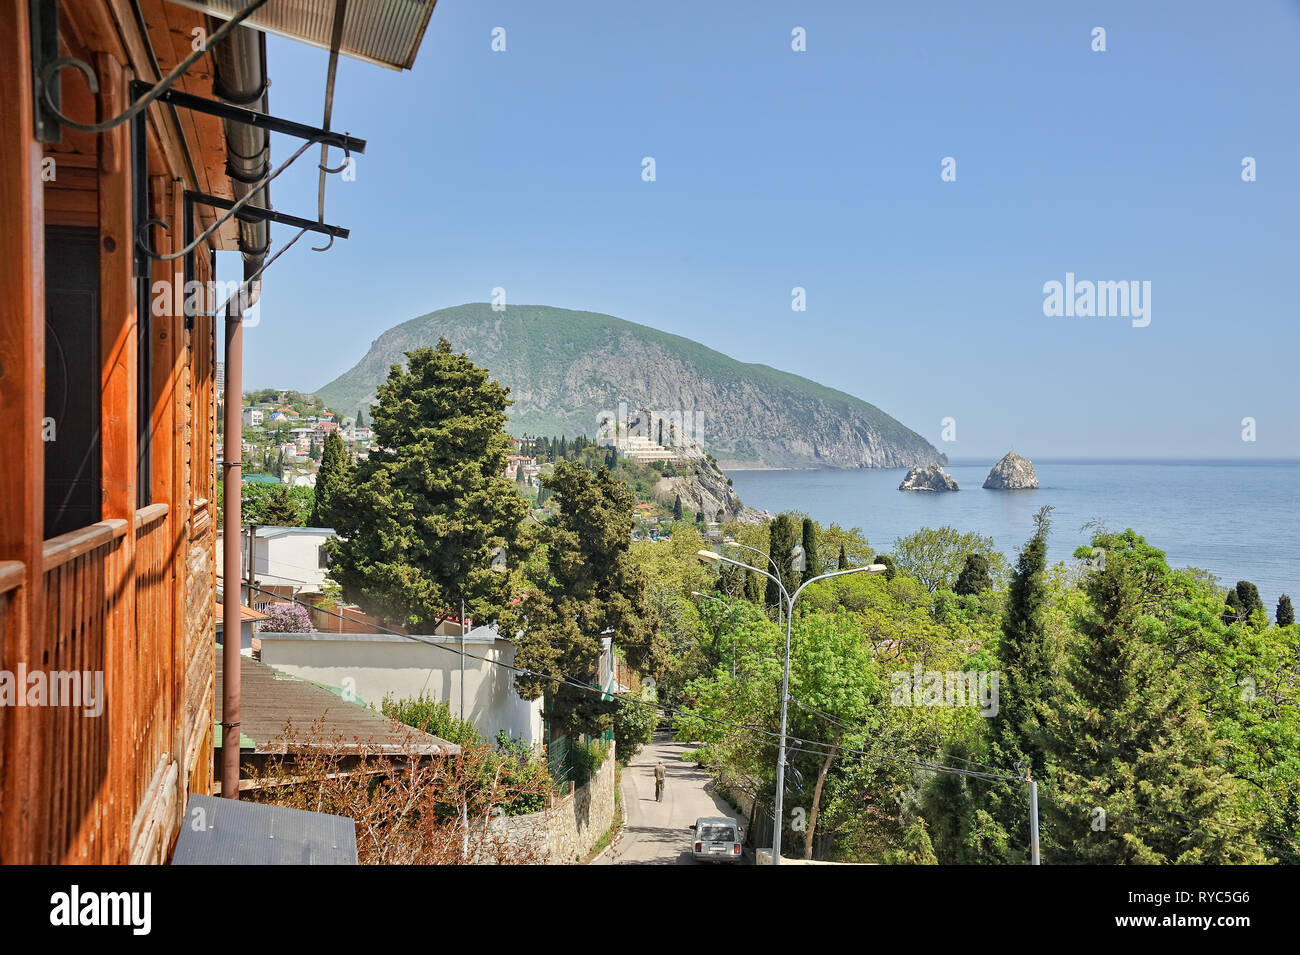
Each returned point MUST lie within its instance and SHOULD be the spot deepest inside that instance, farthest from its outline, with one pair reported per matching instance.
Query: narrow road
(658, 833)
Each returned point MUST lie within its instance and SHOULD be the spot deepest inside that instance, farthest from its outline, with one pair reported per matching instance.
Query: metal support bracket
(274, 124)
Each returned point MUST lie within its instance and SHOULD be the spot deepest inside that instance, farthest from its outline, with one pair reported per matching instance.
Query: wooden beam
(22, 377)
(119, 417)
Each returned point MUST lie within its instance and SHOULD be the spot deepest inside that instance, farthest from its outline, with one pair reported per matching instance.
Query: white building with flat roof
(372, 666)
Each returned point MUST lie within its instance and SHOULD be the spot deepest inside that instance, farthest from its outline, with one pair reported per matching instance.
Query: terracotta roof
(245, 613)
(320, 717)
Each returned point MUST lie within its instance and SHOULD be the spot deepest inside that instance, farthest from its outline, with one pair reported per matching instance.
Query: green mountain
(567, 371)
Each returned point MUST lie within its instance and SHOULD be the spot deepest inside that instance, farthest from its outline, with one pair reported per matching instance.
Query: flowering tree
(287, 618)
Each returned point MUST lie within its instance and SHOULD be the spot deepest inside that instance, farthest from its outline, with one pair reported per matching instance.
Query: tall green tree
(811, 554)
(783, 533)
(677, 508)
(426, 512)
(1285, 612)
(1134, 771)
(588, 588)
(974, 577)
(843, 562)
(280, 509)
(331, 481)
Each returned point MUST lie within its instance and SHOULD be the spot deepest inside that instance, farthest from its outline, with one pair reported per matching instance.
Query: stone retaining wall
(566, 831)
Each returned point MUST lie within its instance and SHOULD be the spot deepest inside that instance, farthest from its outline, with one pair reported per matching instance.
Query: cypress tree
(331, 481)
(974, 577)
(1285, 613)
(677, 508)
(590, 584)
(814, 561)
(1248, 595)
(843, 562)
(783, 534)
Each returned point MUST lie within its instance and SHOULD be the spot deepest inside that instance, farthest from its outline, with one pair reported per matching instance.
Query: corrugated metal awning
(384, 32)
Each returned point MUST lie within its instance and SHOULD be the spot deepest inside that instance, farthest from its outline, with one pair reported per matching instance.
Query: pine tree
(425, 513)
(1134, 770)
(280, 510)
(677, 508)
(1285, 612)
(1025, 661)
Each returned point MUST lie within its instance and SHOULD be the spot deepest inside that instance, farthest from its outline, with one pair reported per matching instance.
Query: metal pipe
(239, 61)
(240, 65)
(233, 519)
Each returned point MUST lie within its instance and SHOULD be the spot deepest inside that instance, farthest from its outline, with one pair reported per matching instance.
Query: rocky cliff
(932, 478)
(1012, 473)
(707, 490)
(564, 368)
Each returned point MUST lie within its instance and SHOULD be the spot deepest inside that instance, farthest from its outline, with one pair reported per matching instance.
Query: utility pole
(252, 562)
(1033, 820)
(462, 659)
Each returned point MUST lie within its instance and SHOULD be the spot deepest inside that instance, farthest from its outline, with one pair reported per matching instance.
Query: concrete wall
(375, 665)
(567, 831)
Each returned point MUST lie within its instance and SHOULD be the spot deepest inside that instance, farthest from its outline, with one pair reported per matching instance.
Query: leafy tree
(888, 563)
(935, 556)
(1285, 612)
(811, 555)
(833, 677)
(425, 513)
(589, 585)
(634, 726)
(331, 481)
(974, 577)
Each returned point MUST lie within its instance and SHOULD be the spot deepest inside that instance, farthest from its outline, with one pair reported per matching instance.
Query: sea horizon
(1226, 516)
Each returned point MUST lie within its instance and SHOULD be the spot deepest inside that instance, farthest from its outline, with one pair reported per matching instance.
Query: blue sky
(821, 169)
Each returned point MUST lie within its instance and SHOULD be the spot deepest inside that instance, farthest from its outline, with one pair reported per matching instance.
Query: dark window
(144, 316)
(72, 382)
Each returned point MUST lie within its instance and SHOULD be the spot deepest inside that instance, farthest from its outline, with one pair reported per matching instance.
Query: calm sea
(1237, 520)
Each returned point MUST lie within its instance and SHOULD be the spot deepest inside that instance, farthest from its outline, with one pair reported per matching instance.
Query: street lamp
(798, 560)
(762, 554)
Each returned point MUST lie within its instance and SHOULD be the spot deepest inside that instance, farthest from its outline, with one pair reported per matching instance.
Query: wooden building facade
(108, 477)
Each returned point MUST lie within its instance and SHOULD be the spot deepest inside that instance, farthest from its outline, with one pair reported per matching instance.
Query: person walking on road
(660, 776)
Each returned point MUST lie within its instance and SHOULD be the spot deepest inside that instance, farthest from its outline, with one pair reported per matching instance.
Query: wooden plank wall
(132, 596)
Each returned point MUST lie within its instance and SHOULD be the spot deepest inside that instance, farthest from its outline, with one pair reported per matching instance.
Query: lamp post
(768, 557)
(798, 562)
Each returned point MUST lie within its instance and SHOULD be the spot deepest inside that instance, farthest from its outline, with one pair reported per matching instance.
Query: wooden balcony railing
(107, 761)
